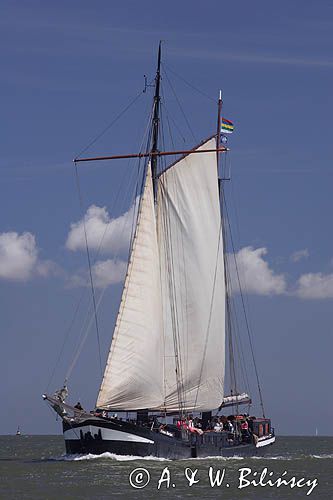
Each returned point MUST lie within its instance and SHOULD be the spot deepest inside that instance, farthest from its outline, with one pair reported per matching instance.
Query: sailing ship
(166, 364)
(18, 432)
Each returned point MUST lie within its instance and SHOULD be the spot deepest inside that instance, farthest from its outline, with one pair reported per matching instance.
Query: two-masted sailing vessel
(165, 371)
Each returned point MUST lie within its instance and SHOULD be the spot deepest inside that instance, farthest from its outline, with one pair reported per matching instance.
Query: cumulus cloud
(18, 256)
(46, 268)
(299, 255)
(104, 234)
(315, 286)
(109, 272)
(256, 275)
(104, 273)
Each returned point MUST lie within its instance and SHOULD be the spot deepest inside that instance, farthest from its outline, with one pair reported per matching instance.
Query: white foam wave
(129, 458)
(109, 456)
(214, 457)
(237, 457)
(268, 457)
(299, 457)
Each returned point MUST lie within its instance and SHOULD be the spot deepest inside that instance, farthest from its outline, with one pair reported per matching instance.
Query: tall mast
(156, 123)
(218, 131)
(228, 325)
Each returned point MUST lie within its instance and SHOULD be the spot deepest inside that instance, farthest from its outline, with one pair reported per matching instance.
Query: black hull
(96, 436)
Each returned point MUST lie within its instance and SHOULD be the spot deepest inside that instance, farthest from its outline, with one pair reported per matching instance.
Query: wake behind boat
(163, 389)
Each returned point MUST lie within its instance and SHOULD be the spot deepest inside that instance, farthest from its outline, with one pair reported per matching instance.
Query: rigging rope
(64, 344)
(180, 107)
(173, 302)
(87, 329)
(66, 337)
(233, 378)
(239, 346)
(173, 299)
(210, 310)
(244, 310)
(79, 302)
(168, 116)
(134, 230)
(114, 121)
(135, 213)
(95, 139)
(188, 83)
(234, 325)
(90, 270)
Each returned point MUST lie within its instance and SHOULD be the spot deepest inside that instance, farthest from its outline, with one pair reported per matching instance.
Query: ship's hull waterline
(123, 438)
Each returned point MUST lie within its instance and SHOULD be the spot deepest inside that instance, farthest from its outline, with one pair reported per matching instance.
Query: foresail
(133, 377)
(192, 281)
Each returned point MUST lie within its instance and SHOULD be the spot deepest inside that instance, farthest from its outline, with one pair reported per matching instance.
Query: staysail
(133, 377)
(168, 347)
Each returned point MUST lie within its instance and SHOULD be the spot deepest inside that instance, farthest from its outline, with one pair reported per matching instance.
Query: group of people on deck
(240, 425)
(190, 424)
(233, 424)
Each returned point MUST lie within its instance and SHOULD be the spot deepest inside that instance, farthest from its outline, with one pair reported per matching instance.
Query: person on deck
(218, 427)
(182, 424)
(245, 430)
(245, 426)
(192, 428)
(250, 422)
(230, 426)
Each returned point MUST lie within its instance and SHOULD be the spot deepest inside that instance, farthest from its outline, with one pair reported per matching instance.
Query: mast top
(154, 152)
(156, 122)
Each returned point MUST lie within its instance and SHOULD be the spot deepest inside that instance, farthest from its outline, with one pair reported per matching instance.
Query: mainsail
(192, 276)
(168, 347)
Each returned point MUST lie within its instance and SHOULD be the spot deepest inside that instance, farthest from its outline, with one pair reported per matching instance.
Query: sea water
(36, 467)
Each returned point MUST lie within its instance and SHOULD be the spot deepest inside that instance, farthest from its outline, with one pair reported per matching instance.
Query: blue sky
(68, 68)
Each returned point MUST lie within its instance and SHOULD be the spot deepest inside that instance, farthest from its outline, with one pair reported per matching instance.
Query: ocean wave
(214, 457)
(131, 458)
(107, 455)
(296, 457)
(237, 457)
(277, 457)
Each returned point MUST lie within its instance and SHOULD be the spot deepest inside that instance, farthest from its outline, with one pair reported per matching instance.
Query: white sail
(192, 275)
(133, 377)
(172, 313)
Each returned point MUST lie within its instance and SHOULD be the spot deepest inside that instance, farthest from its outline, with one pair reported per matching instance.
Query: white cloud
(255, 274)
(299, 254)
(109, 272)
(18, 256)
(104, 273)
(103, 233)
(247, 57)
(315, 286)
(46, 268)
